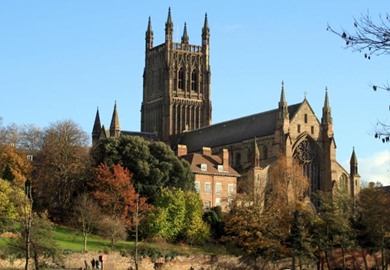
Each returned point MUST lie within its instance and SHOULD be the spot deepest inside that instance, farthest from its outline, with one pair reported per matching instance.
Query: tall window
(197, 186)
(194, 80)
(180, 78)
(218, 188)
(207, 188)
(231, 190)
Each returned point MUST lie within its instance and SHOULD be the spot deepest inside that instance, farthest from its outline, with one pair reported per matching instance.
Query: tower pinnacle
(185, 39)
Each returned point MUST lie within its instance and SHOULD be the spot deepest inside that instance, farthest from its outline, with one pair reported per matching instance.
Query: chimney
(225, 159)
(206, 151)
(181, 150)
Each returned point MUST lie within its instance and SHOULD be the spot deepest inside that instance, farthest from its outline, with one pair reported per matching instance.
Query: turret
(354, 175)
(206, 42)
(97, 128)
(282, 125)
(114, 126)
(149, 36)
(185, 39)
(326, 120)
(169, 28)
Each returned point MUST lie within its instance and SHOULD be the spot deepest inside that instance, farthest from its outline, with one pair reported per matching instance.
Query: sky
(61, 60)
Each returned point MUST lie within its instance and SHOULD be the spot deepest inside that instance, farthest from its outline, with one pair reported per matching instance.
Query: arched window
(306, 155)
(194, 80)
(343, 184)
(180, 78)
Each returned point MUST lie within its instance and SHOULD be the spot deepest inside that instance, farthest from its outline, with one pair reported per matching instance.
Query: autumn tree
(14, 165)
(113, 189)
(153, 164)
(60, 168)
(112, 228)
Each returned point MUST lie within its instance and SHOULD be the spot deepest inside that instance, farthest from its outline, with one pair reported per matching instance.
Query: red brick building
(215, 179)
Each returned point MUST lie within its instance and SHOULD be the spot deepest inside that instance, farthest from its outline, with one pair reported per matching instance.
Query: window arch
(307, 156)
(343, 183)
(194, 80)
(180, 79)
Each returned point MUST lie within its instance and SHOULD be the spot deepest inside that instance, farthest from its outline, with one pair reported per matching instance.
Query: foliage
(178, 216)
(14, 165)
(153, 164)
(11, 204)
(334, 228)
(60, 168)
(215, 218)
(114, 190)
(42, 241)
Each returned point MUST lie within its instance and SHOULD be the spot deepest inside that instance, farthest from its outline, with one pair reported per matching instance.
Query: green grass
(72, 240)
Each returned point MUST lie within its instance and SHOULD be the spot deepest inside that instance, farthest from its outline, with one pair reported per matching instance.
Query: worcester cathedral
(176, 109)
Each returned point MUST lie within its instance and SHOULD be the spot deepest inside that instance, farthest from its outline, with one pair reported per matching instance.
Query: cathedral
(176, 109)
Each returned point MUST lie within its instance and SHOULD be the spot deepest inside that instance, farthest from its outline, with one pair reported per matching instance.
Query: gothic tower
(176, 87)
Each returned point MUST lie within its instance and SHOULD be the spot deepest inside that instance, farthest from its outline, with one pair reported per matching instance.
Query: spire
(169, 27)
(185, 39)
(205, 31)
(149, 35)
(115, 127)
(257, 155)
(326, 112)
(353, 162)
(283, 110)
(97, 128)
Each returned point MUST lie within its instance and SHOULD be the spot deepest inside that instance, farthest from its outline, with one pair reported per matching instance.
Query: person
(93, 263)
(97, 263)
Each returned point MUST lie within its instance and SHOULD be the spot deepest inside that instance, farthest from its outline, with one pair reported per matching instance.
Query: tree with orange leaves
(114, 191)
(14, 166)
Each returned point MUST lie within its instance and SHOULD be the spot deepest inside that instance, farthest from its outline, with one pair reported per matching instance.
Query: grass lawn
(72, 240)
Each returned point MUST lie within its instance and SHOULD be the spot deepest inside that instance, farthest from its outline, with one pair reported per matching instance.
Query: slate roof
(212, 162)
(233, 131)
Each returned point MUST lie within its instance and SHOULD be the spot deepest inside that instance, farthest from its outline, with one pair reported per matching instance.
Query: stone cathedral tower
(176, 88)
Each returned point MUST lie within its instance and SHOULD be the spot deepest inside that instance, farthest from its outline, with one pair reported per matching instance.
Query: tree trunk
(327, 260)
(343, 256)
(364, 256)
(85, 243)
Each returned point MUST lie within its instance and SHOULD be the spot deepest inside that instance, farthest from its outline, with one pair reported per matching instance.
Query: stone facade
(176, 109)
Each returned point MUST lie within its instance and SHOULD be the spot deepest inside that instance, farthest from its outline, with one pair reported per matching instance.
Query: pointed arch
(307, 153)
(180, 78)
(194, 80)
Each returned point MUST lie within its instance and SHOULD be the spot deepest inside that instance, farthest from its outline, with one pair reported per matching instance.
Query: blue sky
(63, 59)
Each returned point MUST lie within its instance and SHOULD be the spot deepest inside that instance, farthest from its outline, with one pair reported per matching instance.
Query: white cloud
(375, 168)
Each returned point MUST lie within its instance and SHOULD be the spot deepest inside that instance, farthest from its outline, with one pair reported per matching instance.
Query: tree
(14, 165)
(112, 228)
(334, 230)
(60, 168)
(373, 219)
(114, 190)
(178, 216)
(11, 204)
(86, 215)
(370, 38)
(153, 164)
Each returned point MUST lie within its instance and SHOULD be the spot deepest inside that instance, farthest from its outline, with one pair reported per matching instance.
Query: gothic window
(343, 184)
(306, 155)
(194, 80)
(312, 129)
(305, 118)
(299, 128)
(180, 78)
